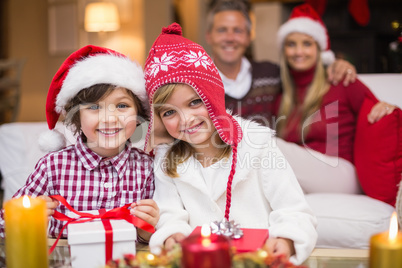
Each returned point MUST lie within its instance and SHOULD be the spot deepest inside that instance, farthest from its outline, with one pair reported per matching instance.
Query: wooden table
(320, 258)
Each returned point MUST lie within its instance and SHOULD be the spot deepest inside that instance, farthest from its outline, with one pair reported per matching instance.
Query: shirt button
(108, 185)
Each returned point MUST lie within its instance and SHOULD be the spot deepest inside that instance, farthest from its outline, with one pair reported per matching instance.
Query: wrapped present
(89, 245)
(114, 231)
(242, 239)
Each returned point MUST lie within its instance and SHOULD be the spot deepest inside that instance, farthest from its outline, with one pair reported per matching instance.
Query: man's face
(229, 37)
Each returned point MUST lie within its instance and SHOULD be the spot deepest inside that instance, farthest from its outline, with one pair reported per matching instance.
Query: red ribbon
(108, 236)
(121, 213)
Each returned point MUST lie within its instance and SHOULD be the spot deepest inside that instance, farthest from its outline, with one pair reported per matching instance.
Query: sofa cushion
(348, 221)
(20, 151)
(378, 154)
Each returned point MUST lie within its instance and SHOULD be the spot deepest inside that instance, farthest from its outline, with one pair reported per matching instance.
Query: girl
(102, 95)
(317, 120)
(213, 165)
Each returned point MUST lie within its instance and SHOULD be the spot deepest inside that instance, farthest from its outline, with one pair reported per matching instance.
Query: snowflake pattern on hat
(174, 61)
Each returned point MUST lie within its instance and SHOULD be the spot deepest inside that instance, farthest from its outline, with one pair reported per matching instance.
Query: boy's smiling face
(108, 123)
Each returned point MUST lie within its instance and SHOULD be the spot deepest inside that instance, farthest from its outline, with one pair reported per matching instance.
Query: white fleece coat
(265, 194)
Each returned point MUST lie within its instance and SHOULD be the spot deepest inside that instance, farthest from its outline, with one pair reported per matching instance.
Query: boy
(101, 94)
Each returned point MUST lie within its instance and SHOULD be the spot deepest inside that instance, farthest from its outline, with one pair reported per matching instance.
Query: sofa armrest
(387, 87)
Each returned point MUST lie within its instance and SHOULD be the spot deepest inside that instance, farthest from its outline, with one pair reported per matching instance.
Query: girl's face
(300, 51)
(108, 123)
(185, 117)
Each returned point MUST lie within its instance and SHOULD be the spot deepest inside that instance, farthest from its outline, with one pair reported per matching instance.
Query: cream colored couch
(344, 221)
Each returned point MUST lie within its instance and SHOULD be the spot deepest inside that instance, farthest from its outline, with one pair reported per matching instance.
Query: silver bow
(226, 228)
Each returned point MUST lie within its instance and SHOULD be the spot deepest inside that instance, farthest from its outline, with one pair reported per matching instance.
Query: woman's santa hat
(84, 68)
(304, 19)
(175, 59)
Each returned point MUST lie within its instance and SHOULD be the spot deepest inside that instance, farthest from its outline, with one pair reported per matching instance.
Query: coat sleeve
(291, 216)
(173, 216)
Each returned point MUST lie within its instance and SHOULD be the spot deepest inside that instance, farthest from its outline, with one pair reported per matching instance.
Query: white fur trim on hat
(51, 140)
(306, 26)
(327, 57)
(102, 69)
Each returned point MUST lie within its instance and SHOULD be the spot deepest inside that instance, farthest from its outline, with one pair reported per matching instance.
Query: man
(250, 87)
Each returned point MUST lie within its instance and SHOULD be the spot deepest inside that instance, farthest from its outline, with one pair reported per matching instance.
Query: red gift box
(252, 239)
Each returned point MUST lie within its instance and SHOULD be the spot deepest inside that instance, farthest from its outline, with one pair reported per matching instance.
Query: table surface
(320, 258)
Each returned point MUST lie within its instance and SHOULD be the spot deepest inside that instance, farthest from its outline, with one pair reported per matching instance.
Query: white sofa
(344, 221)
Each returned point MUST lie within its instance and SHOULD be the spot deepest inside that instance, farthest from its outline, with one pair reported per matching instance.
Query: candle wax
(385, 253)
(206, 252)
(26, 233)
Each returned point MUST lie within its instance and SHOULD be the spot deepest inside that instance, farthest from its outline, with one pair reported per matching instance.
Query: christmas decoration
(172, 259)
(359, 9)
(227, 228)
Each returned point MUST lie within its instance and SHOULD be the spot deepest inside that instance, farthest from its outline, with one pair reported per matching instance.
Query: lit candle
(26, 233)
(386, 247)
(206, 250)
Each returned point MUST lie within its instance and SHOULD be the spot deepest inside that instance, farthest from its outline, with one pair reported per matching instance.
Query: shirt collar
(91, 160)
(239, 87)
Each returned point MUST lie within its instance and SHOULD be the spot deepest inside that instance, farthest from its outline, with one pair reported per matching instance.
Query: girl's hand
(147, 210)
(280, 247)
(50, 203)
(173, 239)
(379, 110)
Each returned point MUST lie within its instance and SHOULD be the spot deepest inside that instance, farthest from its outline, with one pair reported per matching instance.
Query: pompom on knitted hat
(84, 68)
(174, 59)
(304, 19)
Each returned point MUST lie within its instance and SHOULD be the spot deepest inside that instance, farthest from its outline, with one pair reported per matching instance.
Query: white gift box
(87, 241)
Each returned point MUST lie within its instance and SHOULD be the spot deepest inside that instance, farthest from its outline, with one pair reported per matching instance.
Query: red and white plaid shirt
(88, 181)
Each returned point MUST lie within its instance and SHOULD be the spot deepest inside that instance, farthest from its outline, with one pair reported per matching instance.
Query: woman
(317, 120)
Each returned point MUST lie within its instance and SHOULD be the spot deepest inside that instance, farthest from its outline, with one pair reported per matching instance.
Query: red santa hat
(84, 68)
(304, 19)
(175, 59)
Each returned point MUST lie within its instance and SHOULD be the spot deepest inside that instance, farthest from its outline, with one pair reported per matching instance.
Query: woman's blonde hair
(315, 92)
(180, 151)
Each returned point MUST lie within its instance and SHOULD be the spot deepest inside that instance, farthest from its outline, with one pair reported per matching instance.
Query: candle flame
(26, 202)
(150, 257)
(205, 230)
(393, 227)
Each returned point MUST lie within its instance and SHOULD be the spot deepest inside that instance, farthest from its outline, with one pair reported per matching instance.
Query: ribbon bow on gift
(121, 213)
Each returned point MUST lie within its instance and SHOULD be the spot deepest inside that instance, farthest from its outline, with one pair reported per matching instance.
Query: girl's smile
(193, 129)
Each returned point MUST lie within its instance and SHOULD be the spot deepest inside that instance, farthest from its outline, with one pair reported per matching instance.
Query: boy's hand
(146, 210)
(341, 69)
(280, 247)
(50, 203)
(173, 239)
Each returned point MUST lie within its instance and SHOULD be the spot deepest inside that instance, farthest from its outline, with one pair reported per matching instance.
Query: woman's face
(300, 51)
(185, 117)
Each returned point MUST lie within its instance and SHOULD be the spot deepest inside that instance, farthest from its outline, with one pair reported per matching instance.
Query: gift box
(252, 239)
(87, 241)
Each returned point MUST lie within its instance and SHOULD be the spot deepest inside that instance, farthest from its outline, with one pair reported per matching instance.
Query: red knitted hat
(86, 67)
(175, 59)
(304, 19)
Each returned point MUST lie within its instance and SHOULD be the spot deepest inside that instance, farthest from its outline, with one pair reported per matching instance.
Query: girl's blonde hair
(316, 91)
(180, 151)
